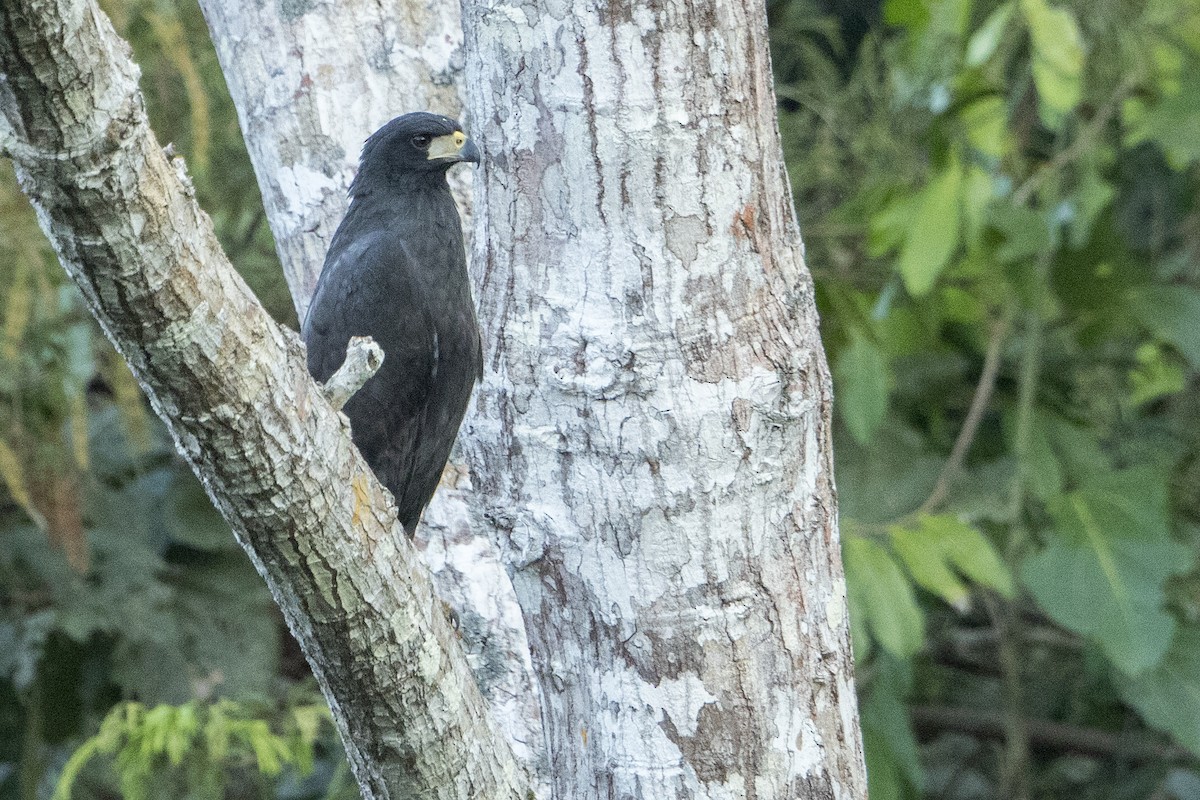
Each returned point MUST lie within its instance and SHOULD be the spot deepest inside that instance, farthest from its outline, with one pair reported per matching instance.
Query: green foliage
(189, 749)
(864, 379)
(893, 763)
(937, 550)
(881, 600)
(999, 204)
(1169, 695)
(1103, 573)
(1057, 59)
(170, 618)
(933, 231)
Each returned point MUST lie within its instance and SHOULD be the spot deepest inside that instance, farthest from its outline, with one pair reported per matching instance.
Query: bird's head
(412, 146)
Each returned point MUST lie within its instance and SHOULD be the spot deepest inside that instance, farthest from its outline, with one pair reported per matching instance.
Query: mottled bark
(652, 440)
(235, 393)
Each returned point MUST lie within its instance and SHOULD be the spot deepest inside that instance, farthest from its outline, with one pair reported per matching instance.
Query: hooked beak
(453, 147)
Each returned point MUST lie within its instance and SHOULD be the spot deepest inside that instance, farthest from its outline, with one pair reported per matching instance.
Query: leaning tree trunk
(652, 439)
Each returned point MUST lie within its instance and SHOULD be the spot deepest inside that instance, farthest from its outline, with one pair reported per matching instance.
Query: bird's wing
(329, 324)
(367, 289)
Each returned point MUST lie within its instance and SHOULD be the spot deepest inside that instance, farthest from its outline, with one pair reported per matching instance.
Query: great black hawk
(396, 271)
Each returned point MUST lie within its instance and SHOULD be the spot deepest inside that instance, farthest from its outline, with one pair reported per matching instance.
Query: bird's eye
(422, 140)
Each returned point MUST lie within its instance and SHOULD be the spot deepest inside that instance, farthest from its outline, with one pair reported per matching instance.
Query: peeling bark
(234, 390)
(652, 439)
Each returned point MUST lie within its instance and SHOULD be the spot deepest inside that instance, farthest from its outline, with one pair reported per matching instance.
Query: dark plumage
(396, 271)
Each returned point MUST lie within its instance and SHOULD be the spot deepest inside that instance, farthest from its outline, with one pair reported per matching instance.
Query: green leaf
(941, 547)
(1102, 573)
(1025, 232)
(883, 772)
(229, 625)
(909, 13)
(1057, 59)
(977, 497)
(217, 732)
(889, 478)
(74, 765)
(309, 719)
(269, 751)
(1043, 471)
(863, 381)
(1173, 313)
(882, 598)
(1168, 696)
(978, 192)
(1091, 197)
(902, 332)
(179, 734)
(890, 225)
(984, 41)
(213, 629)
(934, 235)
(885, 719)
(190, 518)
(959, 305)
(1172, 123)
(1076, 448)
(1155, 376)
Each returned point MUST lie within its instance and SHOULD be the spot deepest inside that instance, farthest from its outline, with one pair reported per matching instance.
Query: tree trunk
(235, 393)
(652, 439)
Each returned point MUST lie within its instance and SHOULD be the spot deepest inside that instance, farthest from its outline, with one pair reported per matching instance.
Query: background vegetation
(999, 202)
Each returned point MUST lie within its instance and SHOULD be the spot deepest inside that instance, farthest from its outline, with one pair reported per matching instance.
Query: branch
(1047, 735)
(234, 390)
(1084, 138)
(979, 403)
(363, 359)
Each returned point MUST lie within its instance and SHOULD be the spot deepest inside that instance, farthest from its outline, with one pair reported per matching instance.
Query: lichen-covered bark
(233, 388)
(652, 439)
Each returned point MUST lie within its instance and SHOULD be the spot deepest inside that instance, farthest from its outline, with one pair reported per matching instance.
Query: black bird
(397, 271)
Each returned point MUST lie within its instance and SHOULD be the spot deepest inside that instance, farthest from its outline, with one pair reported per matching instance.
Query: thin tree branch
(979, 404)
(1047, 735)
(363, 359)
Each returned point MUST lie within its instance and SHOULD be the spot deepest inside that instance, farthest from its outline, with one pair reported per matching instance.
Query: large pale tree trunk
(652, 441)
